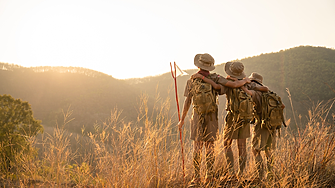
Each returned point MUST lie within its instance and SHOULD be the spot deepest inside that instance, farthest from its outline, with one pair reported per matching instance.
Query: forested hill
(91, 95)
(308, 72)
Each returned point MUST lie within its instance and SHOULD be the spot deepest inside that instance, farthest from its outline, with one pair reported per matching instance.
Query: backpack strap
(282, 114)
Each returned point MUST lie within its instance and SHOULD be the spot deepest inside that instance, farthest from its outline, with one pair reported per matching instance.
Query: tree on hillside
(17, 125)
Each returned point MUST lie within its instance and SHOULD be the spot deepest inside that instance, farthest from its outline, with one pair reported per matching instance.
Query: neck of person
(203, 72)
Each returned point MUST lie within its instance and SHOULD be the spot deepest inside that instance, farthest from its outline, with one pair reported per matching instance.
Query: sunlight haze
(131, 38)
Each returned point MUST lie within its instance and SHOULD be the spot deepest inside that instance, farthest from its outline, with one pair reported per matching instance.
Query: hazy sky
(136, 38)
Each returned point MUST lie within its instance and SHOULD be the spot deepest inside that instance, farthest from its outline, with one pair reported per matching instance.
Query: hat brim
(227, 70)
(255, 79)
(201, 66)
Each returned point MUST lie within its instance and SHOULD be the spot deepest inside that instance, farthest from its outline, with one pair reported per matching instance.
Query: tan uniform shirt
(207, 129)
(262, 138)
(233, 130)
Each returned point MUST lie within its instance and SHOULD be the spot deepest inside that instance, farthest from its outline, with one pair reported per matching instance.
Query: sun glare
(91, 36)
(130, 38)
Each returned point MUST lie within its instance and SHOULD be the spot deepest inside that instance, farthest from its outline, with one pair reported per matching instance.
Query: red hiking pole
(174, 76)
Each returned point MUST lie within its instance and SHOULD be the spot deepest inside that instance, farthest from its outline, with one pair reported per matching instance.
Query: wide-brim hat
(204, 61)
(257, 77)
(235, 69)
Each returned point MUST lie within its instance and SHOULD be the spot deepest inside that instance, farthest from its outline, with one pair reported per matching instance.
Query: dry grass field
(147, 153)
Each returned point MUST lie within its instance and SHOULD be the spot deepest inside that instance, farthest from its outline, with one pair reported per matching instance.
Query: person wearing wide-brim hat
(256, 78)
(235, 69)
(204, 61)
(235, 130)
(263, 139)
(204, 127)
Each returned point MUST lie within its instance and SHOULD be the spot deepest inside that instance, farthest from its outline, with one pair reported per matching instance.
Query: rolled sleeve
(222, 81)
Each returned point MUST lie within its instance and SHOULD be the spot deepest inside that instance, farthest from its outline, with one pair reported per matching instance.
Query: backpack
(272, 111)
(204, 97)
(241, 105)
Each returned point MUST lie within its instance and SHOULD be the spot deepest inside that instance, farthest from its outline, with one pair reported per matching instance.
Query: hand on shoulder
(248, 81)
(196, 75)
(231, 78)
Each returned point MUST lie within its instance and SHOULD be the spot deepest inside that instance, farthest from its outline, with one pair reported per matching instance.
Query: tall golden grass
(147, 153)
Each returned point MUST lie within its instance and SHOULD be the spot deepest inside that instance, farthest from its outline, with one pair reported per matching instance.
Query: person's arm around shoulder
(237, 83)
(246, 90)
(187, 104)
(214, 85)
(257, 87)
(261, 88)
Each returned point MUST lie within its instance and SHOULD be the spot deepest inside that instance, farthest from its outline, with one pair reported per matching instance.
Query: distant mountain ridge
(308, 73)
(91, 95)
(292, 68)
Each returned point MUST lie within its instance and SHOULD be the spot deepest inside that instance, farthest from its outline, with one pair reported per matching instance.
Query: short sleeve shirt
(210, 120)
(222, 81)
